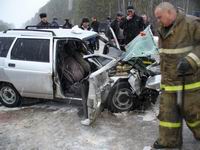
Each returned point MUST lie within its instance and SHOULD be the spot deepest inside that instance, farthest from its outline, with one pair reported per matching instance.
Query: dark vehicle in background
(196, 13)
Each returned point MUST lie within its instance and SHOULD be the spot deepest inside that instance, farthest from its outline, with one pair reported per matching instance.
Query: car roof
(75, 32)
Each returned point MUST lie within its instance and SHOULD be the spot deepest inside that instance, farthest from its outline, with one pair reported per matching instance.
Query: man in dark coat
(54, 23)
(132, 25)
(67, 24)
(43, 23)
(95, 28)
(95, 24)
(115, 25)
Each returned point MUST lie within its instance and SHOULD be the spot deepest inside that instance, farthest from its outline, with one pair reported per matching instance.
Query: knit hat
(129, 8)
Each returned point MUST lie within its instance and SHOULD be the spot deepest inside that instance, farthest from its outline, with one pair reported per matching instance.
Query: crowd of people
(54, 24)
(125, 28)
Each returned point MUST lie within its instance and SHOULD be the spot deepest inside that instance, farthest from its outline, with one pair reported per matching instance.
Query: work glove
(183, 66)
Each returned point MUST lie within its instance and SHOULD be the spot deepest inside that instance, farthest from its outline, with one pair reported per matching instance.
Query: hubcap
(122, 99)
(8, 95)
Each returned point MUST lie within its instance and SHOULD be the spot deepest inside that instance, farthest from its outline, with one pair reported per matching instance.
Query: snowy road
(56, 126)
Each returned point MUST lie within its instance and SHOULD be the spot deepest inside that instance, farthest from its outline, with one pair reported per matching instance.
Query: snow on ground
(56, 126)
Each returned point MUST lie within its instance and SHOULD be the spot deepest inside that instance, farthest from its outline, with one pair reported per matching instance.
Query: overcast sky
(18, 12)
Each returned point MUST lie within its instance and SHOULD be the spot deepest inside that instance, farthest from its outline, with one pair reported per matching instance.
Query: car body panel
(25, 75)
(75, 32)
(99, 87)
(34, 82)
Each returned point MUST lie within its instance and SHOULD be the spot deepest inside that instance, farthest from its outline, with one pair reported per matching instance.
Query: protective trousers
(170, 119)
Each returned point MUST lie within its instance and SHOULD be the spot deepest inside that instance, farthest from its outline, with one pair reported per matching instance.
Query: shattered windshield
(141, 46)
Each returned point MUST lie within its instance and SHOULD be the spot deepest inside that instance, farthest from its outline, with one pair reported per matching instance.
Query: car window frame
(10, 44)
(32, 37)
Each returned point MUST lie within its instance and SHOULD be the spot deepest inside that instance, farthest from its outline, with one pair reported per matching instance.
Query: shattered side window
(5, 43)
(31, 50)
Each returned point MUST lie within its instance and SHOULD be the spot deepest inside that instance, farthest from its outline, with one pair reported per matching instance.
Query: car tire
(121, 98)
(9, 96)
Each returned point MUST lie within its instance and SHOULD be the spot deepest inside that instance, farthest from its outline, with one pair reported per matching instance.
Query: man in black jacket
(67, 24)
(43, 23)
(115, 25)
(95, 24)
(54, 23)
(132, 25)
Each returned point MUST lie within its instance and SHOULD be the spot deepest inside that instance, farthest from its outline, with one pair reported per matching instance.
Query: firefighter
(179, 43)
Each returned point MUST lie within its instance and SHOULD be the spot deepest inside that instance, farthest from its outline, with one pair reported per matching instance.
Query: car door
(99, 86)
(29, 67)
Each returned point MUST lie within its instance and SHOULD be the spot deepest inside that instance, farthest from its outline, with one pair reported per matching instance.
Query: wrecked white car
(60, 64)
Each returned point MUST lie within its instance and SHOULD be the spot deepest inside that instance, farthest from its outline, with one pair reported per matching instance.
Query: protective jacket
(181, 40)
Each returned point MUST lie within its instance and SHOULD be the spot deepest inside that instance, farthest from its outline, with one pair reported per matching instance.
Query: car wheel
(121, 98)
(9, 97)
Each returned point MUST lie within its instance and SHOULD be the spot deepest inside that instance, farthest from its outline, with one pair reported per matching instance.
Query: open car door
(99, 86)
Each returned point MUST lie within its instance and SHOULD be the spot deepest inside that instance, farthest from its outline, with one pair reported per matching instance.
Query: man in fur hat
(43, 23)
